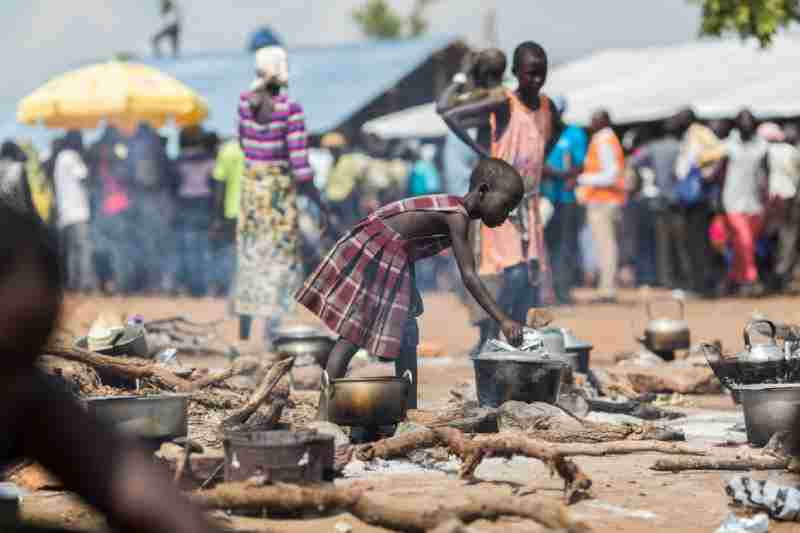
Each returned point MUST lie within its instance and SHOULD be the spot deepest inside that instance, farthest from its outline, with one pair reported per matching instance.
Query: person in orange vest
(601, 188)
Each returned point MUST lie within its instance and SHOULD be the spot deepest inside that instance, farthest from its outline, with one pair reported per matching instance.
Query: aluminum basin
(162, 416)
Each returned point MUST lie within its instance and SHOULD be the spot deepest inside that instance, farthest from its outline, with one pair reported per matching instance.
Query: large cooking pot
(302, 340)
(666, 334)
(521, 376)
(162, 416)
(574, 345)
(768, 409)
(365, 402)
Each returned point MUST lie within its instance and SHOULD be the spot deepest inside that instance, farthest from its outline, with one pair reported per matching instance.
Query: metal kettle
(666, 334)
(767, 350)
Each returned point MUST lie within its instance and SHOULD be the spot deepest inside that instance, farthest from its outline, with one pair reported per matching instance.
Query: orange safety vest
(615, 194)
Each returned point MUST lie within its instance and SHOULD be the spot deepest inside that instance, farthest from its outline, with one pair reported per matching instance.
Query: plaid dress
(364, 289)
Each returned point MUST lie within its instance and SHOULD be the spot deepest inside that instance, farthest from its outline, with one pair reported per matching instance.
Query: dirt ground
(628, 496)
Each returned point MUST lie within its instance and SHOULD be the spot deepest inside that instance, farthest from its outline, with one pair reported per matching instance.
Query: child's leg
(245, 323)
(340, 356)
(527, 295)
(407, 360)
(271, 325)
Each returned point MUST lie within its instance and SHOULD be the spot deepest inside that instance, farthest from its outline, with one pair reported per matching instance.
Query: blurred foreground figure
(41, 422)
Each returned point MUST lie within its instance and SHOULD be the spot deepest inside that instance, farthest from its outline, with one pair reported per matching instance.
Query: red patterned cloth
(364, 289)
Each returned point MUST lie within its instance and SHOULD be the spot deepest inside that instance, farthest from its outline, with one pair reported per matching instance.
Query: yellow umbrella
(114, 91)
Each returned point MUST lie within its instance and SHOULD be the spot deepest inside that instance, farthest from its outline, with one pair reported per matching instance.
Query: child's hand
(513, 332)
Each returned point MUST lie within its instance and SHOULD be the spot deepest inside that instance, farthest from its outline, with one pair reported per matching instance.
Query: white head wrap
(273, 64)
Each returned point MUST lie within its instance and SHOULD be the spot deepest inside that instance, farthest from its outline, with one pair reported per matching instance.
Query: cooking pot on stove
(760, 363)
(301, 340)
(365, 402)
(666, 334)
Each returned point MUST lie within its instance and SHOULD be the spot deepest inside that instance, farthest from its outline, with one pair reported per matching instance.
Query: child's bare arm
(457, 117)
(459, 227)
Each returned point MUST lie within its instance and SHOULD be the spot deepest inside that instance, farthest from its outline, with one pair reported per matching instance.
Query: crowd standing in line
(710, 208)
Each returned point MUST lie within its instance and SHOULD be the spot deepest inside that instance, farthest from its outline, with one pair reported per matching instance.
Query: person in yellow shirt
(228, 173)
(341, 190)
(40, 184)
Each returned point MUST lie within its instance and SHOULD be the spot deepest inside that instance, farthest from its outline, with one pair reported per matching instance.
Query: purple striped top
(281, 140)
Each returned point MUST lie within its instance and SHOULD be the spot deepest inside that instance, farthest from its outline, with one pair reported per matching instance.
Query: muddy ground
(628, 496)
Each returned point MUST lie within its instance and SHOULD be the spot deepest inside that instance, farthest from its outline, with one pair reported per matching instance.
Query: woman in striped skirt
(273, 137)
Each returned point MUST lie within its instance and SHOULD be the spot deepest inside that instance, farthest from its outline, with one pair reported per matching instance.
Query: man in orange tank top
(602, 190)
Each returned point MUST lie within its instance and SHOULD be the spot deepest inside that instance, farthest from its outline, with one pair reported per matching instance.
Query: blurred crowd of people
(131, 219)
(707, 208)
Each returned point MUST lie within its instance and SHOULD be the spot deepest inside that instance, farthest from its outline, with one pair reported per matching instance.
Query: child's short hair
(529, 47)
(490, 63)
(497, 174)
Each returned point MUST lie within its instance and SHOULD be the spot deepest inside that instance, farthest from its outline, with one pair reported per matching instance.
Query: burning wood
(278, 371)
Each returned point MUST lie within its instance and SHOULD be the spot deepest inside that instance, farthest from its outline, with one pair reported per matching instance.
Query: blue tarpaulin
(332, 82)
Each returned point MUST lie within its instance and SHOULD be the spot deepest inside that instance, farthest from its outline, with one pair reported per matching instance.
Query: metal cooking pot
(769, 409)
(162, 416)
(303, 340)
(666, 334)
(521, 376)
(132, 343)
(365, 402)
(573, 345)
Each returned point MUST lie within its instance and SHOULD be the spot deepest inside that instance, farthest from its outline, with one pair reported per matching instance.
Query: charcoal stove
(301, 457)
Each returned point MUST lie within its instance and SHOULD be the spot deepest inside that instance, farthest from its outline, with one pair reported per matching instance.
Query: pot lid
(768, 386)
(299, 331)
(667, 324)
(539, 357)
(571, 342)
(372, 379)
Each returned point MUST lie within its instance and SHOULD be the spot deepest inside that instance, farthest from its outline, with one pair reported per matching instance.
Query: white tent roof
(419, 121)
(716, 78)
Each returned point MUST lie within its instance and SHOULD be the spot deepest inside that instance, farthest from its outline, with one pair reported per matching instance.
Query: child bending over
(365, 290)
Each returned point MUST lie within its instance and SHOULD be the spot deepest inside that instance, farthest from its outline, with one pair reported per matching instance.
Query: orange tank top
(521, 145)
(614, 194)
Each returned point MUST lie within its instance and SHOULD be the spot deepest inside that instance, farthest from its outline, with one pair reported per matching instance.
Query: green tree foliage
(377, 19)
(749, 18)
